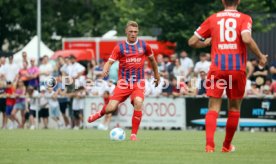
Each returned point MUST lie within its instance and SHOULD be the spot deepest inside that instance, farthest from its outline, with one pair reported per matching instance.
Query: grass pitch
(91, 146)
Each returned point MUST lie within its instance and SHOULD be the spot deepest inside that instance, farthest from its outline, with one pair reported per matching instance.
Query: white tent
(31, 49)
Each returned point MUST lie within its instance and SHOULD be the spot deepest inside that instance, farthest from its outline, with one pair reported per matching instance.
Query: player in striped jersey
(131, 55)
(229, 33)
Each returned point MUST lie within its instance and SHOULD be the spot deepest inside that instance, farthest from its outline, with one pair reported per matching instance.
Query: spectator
(75, 71)
(65, 65)
(10, 70)
(99, 87)
(166, 62)
(201, 84)
(202, 64)
(187, 64)
(33, 73)
(99, 69)
(24, 56)
(23, 74)
(148, 82)
(178, 70)
(10, 101)
(273, 71)
(20, 104)
(33, 99)
(266, 91)
(175, 87)
(273, 88)
(2, 64)
(171, 66)
(259, 75)
(113, 72)
(44, 107)
(254, 90)
(53, 106)
(3, 103)
(160, 63)
(78, 106)
(45, 71)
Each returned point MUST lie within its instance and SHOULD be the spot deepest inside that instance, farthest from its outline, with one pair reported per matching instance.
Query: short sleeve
(246, 25)
(115, 54)
(149, 51)
(203, 31)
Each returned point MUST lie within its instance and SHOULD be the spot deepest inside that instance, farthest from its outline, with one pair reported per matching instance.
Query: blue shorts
(9, 110)
(54, 112)
(20, 106)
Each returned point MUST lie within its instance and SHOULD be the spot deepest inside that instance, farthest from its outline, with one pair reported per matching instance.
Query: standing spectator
(2, 64)
(78, 106)
(178, 70)
(202, 64)
(260, 74)
(10, 101)
(64, 67)
(187, 64)
(20, 104)
(99, 69)
(113, 72)
(171, 65)
(160, 63)
(75, 71)
(45, 70)
(44, 107)
(33, 73)
(3, 103)
(148, 82)
(24, 56)
(33, 98)
(53, 105)
(10, 70)
(23, 74)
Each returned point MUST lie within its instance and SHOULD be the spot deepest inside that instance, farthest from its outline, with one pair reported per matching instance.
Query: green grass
(91, 146)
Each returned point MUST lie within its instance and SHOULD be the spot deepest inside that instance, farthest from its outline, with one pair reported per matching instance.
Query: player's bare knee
(138, 103)
(234, 105)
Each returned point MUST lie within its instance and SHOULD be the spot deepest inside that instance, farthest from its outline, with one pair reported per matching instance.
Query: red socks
(231, 127)
(210, 126)
(102, 112)
(136, 119)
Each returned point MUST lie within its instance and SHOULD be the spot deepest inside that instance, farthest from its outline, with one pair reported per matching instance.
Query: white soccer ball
(117, 134)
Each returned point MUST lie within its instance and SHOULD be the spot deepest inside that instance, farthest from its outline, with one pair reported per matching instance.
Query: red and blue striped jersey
(228, 51)
(131, 59)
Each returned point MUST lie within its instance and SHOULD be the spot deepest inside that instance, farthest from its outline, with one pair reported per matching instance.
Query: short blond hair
(131, 23)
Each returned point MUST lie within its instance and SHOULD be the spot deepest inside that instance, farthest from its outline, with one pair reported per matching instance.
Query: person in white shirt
(10, 70)
(53, 105)
(75, 71)
(2, 63)
(44, 107)
(78, 106)
(203, 64)
(99, 87)
(32, 98)
(187, 64)
(45, 70)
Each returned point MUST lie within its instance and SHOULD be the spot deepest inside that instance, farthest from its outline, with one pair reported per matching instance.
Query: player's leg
(232, 123)
(235, 93)
(214, 91)
(109, 108)
(211, 122)
(137, 116)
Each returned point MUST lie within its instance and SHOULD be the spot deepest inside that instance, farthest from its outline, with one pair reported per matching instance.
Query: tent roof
(31, 49)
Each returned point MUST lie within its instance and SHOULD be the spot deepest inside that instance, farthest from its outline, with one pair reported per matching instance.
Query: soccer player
(229, 33)
(131, 55)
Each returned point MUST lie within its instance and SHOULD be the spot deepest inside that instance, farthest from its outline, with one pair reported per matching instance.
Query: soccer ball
(117, 134)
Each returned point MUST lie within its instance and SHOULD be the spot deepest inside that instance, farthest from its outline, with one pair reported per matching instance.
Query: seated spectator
(266, 91)
(259, 75)
(254, 90)
(201, 84)
(273, 88)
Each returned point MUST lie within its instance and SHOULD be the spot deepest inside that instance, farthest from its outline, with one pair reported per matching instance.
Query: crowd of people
(58, 87)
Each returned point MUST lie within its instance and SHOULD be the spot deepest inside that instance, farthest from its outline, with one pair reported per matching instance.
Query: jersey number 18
(227, 29)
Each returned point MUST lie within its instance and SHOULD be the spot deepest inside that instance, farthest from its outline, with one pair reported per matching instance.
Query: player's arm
(107, 66)
(249, 41)
(196, 42)
(155, 69)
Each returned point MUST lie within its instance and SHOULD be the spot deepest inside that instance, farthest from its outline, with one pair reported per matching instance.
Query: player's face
(132, 33)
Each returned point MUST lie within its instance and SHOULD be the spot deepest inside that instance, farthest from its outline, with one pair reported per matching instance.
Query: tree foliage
(173, 20)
